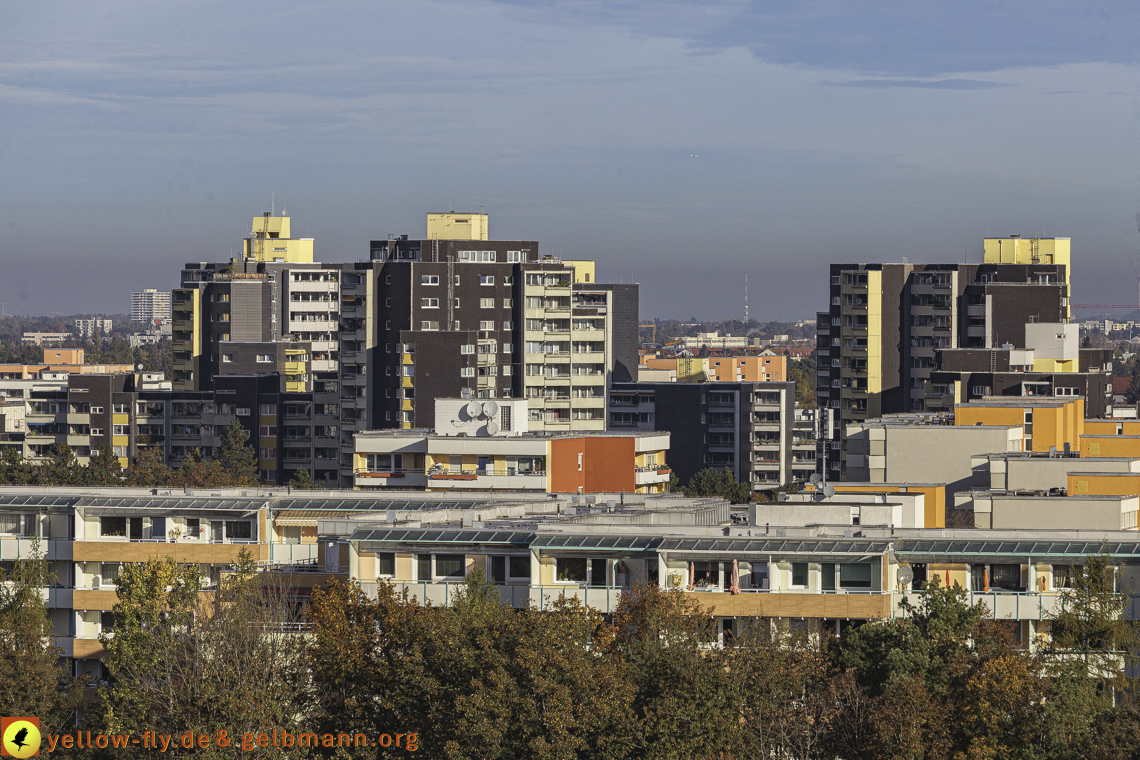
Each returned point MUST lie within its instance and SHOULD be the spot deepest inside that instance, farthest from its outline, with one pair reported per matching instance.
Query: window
(507, 348)
(122, 430)
(486, 303)
(429, 279)
(487, 324)
(96, 431)
(571, 569)
(239, 529)
(264, 358)
(486, 279)
(508, 303)
(429, 325)
(268, 453)
(108, 573)
(268, 431)
(457, 303)
(799, 575)
(227, 358)
(113, 526)
(241, 411)
(456, 279)
(122, 408)
(508, 280)
(429, 303)
(423, 567)
(467, 348)
(268, 409)
(467, 372)
(385, 564)
(450, 565)
(857, 576)
(1065, 576)
(506, 325)
(514, 257)
(96, 410)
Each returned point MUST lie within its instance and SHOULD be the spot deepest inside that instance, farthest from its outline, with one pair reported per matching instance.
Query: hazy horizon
(681, 145)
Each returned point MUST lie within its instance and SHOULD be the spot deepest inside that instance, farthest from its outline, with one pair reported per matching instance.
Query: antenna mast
(746, 297)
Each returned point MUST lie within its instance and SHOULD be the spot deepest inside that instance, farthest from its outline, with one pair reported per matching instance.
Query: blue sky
(681, 144)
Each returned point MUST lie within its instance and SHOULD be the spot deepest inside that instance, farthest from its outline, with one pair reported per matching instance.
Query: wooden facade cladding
(788, 604)
(126, 551)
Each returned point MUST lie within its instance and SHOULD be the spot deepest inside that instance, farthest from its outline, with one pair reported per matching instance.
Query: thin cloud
(935, 84)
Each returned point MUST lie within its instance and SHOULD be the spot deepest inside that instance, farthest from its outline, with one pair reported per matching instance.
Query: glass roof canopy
(374, 538)
(380, 505)
(38, 501)
(1042, 549)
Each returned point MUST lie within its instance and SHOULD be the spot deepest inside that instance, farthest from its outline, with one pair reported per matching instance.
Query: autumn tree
(186, 660)
(148, 469)
(476, 679)
(684, 704)
(38, 683)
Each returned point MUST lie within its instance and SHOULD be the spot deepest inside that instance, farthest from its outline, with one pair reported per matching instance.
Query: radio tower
(745, 297)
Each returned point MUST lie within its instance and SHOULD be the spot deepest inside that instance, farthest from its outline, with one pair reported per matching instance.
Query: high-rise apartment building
(271, 311)
(150, 305)
(468, 317)
(879, 341)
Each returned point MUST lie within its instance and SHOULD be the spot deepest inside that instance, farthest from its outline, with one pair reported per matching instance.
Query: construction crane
(1105, 306)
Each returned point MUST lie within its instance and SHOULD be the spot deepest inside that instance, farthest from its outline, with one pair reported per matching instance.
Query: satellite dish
(490, 408)
(829, 491)
(474, 409)
(814, 478)
(492, 427)
(905, 576)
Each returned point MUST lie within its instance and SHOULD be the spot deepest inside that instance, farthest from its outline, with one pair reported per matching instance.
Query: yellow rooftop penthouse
(453, 226)
(1018, 250)
(269, 241)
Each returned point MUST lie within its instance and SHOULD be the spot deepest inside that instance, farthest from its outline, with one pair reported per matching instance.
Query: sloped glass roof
(443, 536)
(380, 505)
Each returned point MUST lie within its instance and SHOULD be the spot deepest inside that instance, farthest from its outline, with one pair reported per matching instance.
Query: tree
(39, 683)
(237, 457)
(301, 479)
(198, 472)
(719, 483)
(61, 469)
(685, 703)
(14, 469)
(1090, 629)
(182, 660)
(802, 373)
(473, 680)
(148, 469)
(103, 468)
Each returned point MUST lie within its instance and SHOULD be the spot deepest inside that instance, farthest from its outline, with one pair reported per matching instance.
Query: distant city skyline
(681, 145)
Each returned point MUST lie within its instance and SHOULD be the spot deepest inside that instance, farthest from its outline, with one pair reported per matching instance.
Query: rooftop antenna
(272, 203)
(745, 296)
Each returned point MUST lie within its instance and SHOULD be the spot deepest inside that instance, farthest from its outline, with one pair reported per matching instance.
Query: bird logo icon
(19, 737)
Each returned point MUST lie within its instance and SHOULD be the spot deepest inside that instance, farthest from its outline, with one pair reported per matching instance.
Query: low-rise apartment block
(485, 446)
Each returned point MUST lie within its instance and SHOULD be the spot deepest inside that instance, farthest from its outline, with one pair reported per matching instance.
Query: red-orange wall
(607, 465)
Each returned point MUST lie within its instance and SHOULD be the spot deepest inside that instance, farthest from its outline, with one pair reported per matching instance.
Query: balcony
(792, 604)
(604, 599)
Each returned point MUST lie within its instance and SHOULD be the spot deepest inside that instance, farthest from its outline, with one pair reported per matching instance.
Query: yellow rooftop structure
(269, 241)
(453, 226)
(1019, 250)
